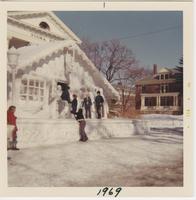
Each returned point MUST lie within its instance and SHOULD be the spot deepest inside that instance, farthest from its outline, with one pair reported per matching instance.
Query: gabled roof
(164, 70)
(19, 15)
(153, 80)
(39, 30)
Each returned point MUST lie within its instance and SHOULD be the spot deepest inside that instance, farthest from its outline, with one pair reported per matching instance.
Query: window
(150, 101)
(44, 25)
(167, 101)
(162, 76)
(32, 90)
(166, 76)
(164, 88)
(143, 89)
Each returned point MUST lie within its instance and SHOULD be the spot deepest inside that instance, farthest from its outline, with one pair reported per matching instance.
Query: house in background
(161, 93)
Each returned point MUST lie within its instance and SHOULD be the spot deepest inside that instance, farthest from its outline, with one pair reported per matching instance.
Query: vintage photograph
(95, 98)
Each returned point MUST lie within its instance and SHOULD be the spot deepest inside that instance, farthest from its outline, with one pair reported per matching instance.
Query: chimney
(154, 69)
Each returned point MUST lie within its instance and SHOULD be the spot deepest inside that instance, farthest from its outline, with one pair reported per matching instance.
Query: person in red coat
(12, 128)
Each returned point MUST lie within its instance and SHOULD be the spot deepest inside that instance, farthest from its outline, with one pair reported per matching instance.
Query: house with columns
(42, 54)
(161, 93)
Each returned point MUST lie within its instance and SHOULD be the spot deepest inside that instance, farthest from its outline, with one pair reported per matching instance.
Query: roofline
(65, 27)
(53, 16)
(168, 70)
(92, 65)
(20, 23)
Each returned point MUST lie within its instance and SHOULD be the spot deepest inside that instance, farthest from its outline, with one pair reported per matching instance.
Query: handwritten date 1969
(109, 191)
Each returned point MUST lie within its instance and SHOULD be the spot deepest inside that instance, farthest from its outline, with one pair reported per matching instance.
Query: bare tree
(118, 64)
(127, 85)
(111, 58)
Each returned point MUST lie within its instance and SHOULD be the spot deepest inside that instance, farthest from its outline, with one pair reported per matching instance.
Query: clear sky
(153, 36)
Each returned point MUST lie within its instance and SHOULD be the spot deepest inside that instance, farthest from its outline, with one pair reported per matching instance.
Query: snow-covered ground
(155, 159)
(162, 117)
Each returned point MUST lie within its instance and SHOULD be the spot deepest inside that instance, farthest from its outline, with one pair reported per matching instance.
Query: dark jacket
(65, 92)
(79, 115)
(99, 100)
(87, 102)
(74, 105)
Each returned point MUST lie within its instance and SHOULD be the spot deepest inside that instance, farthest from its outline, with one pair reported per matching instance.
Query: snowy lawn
(143, 160)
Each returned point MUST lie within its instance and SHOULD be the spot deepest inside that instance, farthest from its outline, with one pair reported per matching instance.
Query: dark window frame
(44, 25)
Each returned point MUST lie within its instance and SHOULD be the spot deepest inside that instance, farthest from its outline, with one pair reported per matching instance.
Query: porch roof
(33, 54)
(37, 55)
(159, 94)
(150, 81)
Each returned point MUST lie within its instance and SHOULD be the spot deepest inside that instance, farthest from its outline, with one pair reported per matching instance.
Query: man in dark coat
(87, 103)
(74, 104)
(64, 97)
(99, 104)
(65, 93)
(82, 123)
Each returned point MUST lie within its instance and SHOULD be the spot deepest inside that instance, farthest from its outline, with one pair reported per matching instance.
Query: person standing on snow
(74, 104)
(12, 128)
(82, 123)
(87, 103)
(99, 104)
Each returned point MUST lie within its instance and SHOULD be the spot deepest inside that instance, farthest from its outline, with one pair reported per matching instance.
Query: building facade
(48, 56)
(161, 93)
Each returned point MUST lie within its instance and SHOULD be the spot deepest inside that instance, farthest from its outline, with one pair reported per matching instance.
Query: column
(142, 102)
(93, 111)
(158, 101)
(177, 101)
(8, 41)
(73, 56)
(67, 68)
(13, 86)
(65, 59)
(174, 100)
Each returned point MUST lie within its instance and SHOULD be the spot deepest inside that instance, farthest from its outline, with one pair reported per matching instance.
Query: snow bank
(34, 132)
(162, 117)
(41, 132)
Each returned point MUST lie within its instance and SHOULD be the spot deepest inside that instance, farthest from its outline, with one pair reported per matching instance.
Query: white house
(42, 54)
(48, 55)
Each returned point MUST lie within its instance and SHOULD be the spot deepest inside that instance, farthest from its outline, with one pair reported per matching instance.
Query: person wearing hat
(74, 104)
(87, 103)
(99, 104)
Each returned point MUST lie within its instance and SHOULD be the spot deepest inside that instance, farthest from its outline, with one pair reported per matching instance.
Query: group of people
(86, 104)
(78, 114)
(64, 100)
